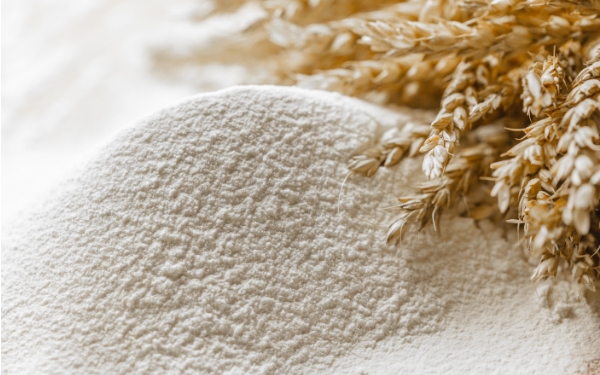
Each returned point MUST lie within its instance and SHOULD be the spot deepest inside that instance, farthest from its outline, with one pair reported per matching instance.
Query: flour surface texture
(207, 239)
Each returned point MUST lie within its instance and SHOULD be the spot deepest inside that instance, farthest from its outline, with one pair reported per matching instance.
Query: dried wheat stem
(434, 196)
(502, 55)
(558, 196)
(508, 34)
(476, 89)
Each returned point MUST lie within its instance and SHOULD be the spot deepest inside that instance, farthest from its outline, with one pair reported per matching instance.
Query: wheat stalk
(479, 62)
(462, 174)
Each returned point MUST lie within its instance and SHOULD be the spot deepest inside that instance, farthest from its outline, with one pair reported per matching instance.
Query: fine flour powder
(207, 239)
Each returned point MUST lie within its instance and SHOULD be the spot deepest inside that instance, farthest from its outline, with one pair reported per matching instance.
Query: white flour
(206, 239)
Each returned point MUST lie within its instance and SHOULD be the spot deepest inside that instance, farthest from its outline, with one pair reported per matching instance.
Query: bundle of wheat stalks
(518, 87)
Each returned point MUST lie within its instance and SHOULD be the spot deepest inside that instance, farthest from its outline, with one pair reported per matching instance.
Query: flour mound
(207, 239)
(210, 231)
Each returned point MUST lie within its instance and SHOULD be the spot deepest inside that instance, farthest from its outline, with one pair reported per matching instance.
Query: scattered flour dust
(206, 239)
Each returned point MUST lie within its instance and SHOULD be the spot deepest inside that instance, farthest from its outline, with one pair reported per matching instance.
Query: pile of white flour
(207, 239)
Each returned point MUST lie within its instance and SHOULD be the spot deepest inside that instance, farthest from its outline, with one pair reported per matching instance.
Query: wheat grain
(393, 146)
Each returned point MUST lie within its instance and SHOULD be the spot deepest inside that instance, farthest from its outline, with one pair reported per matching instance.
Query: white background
(74, 72)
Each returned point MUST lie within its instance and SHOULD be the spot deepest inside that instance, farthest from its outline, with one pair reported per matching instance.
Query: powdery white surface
(207, 239)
